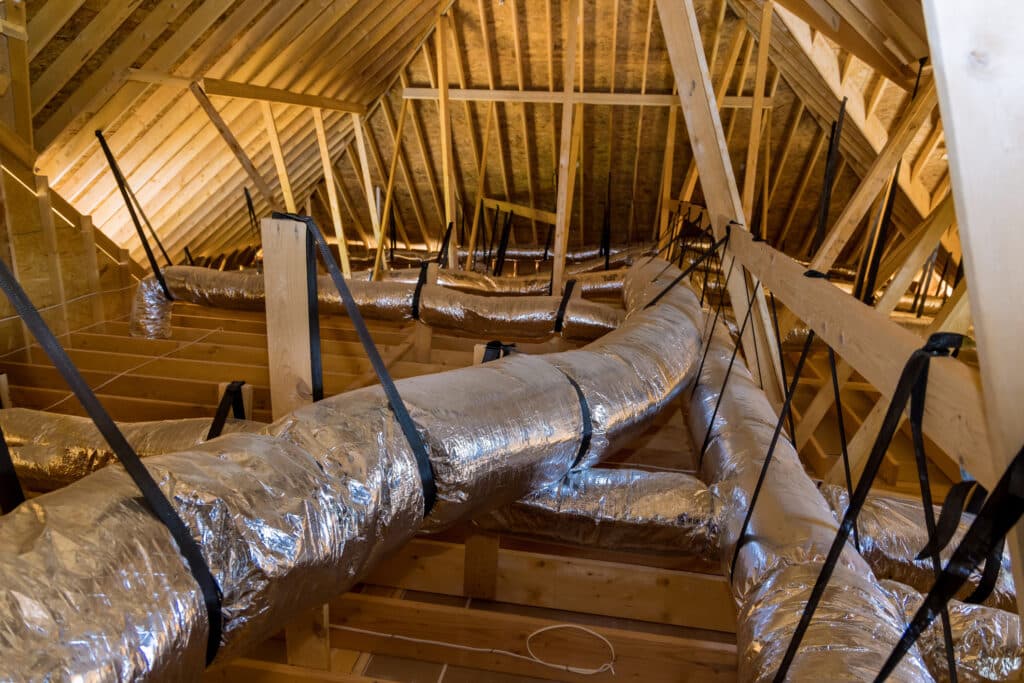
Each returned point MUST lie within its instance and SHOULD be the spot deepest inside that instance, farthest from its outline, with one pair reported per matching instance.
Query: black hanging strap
(831, 161)
(506, 232)
(126, 196)
(950, 515)
(398, 407)
(251, 209)
(997, 517)
(570, 285)
(154, 497)
(316, 363)
(420, 281)
(588, 423)
(11, 495)
(231, 400)
(938, 344)
(188, 257)
(495, 350)
(690, 268)
(442, 254)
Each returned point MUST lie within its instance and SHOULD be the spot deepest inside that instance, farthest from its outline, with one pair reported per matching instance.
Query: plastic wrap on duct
(50, 450)
(629, 510)
(790, 533)
(853, 631)
(521, 317)
(892, 533)
(986, 641)
(286, 518)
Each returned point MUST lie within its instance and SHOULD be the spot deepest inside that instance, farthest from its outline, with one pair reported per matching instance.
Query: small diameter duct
(92, 586)
(857, 623)
(524, 317)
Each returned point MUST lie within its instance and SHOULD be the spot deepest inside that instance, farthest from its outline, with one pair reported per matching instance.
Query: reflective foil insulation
(50, 450)
(630, 510)
(521, 317)
(92, 586)
(892, 532)
(857, 623)
(987, 641)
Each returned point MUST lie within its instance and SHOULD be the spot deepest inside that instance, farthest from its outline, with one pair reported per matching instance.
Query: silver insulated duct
(92, 586)
(857, 623)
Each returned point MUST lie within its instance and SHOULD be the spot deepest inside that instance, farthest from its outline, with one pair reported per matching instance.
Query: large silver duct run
(92, 586)
(892, 532)
(630, 510)
(987, 641)
(857, 623)
(50, 450)
(605, 283)
(524, 317)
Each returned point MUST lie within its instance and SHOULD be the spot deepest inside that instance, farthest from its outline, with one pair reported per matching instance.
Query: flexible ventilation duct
(857, 623)
(525, 317)
(92, 586)
(892, 532)
(629, 510)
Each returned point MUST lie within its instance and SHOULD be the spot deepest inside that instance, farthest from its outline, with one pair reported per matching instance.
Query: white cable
(531, 657)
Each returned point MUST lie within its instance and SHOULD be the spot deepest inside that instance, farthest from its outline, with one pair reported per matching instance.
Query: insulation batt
(50, 450)
(630, 510)
(892, 533)
(92, 586)
(857, 623)
(986, 641)
(525, 317)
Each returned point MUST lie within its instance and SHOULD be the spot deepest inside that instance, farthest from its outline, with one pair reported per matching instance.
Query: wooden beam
(279, 162)
(756, 113)
(248, 91)
(46, 21)
(17, 96)
(403, 165)
(597, 98)
(481, 183)
(332, 191)
(378, 258)
(682, 36)
(367, 181)
(428, 169)
(232, 142)
(531, 181)
(567, 150)
(638, 655)
(447, 159)
(518, 209)
(665, 192)
(976, 56)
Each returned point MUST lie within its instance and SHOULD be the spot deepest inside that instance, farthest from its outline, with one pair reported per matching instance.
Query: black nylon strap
(570, 285)
(506, 232)
(689, 269)
(316, 363)
(495, 350)
(231, 400)
(993, 565)
(908, 378)
(11, 495)
(251, 209)
(401, 413)
(588, 423)
(154, 497)
(1001, 511)
(837, 396)
(420, 281)
(442, 254)
(949, 518)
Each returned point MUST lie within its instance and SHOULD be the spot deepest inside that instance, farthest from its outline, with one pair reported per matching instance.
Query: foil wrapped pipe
(857, 623)
(986, 641)
(631, 510)
(50, 450)
(92, 586)
(528, 253)
(604, 283)
(892, 532)
(520, 317)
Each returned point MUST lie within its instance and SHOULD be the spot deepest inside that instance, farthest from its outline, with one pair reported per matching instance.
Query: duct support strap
(92, 586)
(790, 532)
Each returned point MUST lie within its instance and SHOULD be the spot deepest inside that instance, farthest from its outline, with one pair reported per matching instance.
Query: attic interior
(510, 340)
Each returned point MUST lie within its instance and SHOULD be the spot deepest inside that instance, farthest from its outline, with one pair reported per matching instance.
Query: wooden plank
(389, 198)
(332, 191)
(566, 152)
(548, 217)
(447, 160)
(976, 54)
(279, 162)
(481, 186)
(682, 35)
(638, 655)
(573, 584)
(757, 112)
(255, 671)
(232, 142)
(14, 44)
(592, 97)
(247, 91)
(47, 20)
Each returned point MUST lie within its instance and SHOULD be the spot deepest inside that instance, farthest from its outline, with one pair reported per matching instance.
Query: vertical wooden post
(977, 55)
(5, 392)
(447, 160)
(682, 36)
(332, 191)
(17, 100)
(392, 171)
(291, 377)
(364, 168)
(481, 187)
(566, 153)
(666, 177)
(757, 108)
(49, 231)
(247, 394)
(422, 335)
(92, 268)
